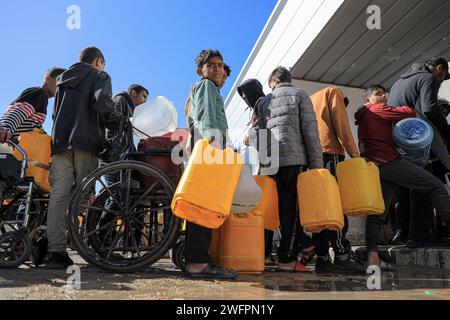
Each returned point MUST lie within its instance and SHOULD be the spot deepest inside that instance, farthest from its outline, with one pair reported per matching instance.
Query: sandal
(213, 271)
(298, 268)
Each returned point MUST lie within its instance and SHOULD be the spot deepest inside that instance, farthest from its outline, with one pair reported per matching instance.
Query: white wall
(445, 92)
(289, 32)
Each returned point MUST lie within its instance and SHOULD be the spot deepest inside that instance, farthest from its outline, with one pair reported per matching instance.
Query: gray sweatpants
(67, 171)
(402, 173)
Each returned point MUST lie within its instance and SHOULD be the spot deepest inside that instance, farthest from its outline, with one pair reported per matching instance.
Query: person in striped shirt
(29, 110)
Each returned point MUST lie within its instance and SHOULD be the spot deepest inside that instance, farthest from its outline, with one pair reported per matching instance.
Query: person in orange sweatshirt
(336, 139)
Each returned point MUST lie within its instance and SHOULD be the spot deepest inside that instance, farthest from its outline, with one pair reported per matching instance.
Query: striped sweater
(26, 113)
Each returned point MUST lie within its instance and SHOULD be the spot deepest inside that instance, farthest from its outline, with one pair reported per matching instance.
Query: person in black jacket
(83, 105)
(251, 91)
(118, 137)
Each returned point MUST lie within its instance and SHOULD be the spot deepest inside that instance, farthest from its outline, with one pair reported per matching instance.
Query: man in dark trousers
(29, 110)
(418, 89)
(82, 105)
(336, 138)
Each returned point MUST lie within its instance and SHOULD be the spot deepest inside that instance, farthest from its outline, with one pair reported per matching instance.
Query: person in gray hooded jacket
(418, 88)
(287, 113)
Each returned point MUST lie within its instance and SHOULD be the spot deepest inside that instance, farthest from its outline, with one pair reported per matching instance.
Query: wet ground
(164, 282)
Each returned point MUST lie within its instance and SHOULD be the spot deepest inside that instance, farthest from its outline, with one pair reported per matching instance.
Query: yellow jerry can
(360, 188)
(242, 244)
(206, 189)
(268, 206)
(37, 145)
(319, 201)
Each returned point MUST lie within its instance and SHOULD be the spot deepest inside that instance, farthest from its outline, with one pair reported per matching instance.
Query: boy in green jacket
(207, 120)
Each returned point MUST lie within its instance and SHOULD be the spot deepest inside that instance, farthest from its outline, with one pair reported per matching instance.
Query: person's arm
(310, 132)
(187, 108)
(341, 124)
(13, 118)
(103, 102)
(394, 114)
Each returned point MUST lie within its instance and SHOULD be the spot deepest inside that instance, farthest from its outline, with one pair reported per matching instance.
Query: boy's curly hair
(205, 55)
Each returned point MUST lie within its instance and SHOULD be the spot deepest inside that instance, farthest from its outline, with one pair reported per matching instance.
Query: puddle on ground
(390, 281)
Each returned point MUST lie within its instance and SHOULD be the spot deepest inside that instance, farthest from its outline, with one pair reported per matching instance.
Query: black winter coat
(83, 106)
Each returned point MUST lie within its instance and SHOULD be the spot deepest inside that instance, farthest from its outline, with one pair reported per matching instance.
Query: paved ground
(164, 282)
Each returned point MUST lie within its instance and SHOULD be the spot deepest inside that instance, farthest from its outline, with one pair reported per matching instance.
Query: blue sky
(151, 42)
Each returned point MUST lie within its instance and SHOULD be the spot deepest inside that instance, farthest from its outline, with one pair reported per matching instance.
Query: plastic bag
(155, 118)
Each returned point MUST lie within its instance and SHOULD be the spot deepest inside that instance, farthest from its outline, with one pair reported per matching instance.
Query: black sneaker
(399, 238)
(325, 266)
(59, 261)
(212, 271)
(350, 264)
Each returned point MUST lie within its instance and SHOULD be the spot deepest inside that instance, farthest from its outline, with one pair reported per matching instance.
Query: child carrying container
(206, 120)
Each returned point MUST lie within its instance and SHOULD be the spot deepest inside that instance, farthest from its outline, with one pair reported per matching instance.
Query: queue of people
(414, 95)
(310, 133)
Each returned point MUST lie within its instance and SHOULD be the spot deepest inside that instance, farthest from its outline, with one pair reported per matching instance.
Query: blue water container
(413, 138)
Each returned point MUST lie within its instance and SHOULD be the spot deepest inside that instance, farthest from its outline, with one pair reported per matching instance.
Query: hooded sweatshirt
(83, 104)
(251, 91)
(419, 89)
(375, 123)
(336, 136)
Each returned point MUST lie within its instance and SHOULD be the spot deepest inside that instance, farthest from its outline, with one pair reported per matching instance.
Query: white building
(329, 42)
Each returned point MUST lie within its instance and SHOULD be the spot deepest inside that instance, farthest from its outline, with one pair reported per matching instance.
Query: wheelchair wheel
(125, 225)
(178, 255)
(39, 242)
(15, 249)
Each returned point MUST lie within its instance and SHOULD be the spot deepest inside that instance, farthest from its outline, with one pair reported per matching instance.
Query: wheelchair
(120, 218)
(23, 211)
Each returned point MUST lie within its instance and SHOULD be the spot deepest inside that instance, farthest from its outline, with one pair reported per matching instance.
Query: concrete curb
(432, 257)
